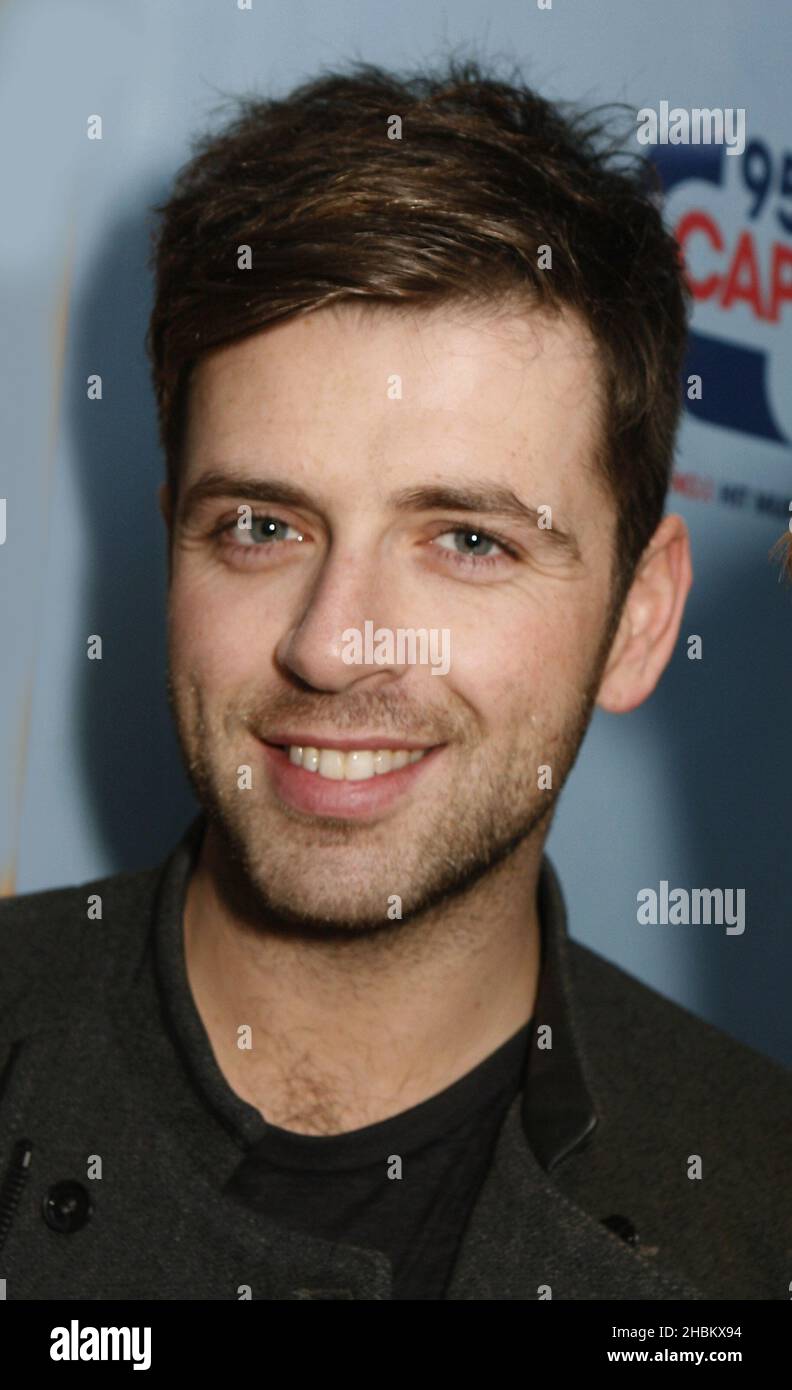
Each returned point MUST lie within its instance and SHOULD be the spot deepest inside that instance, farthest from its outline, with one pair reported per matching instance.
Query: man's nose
(349, 592)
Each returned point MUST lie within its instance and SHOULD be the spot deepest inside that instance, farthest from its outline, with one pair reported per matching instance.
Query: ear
(650, 619)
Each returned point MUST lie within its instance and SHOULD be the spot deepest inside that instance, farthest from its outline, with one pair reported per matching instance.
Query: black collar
(557, 1110)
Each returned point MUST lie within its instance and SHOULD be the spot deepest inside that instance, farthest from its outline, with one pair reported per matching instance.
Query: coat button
(67, 1206)
(621, 1226)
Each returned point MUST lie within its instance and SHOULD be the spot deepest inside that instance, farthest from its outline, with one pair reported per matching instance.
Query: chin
(323, 920)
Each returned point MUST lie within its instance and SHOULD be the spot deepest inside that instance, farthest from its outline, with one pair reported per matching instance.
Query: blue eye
(264, 529)
(473, 543)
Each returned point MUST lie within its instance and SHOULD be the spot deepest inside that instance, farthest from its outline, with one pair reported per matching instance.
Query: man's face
(382, 454)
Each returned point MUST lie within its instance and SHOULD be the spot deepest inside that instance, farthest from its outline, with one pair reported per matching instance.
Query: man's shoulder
(650, 1050)
(60, 945)
(693, 1140)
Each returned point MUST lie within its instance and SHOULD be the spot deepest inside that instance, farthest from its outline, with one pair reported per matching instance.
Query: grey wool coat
(119, 1133)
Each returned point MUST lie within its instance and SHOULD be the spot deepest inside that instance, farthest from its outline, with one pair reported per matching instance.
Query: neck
(344, 1034)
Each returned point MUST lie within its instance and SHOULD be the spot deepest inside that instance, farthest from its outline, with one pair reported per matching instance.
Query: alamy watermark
(76, 1343)
(701, 125)
(404, 646)
(700, 905)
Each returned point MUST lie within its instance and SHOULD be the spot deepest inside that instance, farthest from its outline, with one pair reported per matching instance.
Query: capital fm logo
(733, 220)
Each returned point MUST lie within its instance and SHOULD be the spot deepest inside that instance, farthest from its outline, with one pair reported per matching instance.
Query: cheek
(499, 673)
(528, 670)
(222, 638)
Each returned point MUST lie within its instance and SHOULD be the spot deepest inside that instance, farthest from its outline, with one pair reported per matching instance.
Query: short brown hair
(486, 172)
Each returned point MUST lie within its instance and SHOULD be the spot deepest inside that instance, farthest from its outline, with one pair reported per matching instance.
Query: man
(416, 348)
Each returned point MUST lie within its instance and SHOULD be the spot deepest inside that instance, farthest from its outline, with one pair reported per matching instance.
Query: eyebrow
(490, 499)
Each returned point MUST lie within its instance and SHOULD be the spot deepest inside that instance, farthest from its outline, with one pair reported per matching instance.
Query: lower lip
(322, 796)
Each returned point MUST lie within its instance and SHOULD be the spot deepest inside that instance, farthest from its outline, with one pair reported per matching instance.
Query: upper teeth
(354, 766)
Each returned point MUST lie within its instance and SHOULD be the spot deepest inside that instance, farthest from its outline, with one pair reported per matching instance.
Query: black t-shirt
(404, 1187)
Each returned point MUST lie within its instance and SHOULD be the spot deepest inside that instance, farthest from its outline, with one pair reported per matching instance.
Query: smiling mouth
(350, 764)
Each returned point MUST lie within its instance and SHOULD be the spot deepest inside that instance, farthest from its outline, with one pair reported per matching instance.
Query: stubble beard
(324, 879)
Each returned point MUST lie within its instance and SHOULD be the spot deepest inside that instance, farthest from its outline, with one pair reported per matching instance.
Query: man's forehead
(447, 378)
(432, 341)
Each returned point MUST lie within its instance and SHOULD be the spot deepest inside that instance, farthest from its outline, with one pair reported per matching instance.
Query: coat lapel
(526, 1240)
